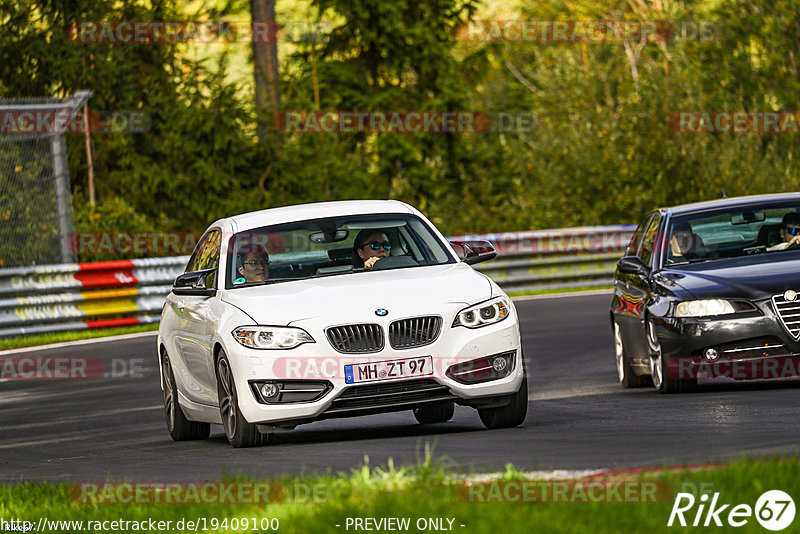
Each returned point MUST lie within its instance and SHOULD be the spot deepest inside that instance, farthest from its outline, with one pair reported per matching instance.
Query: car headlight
(271, 337)
(704, 308)
(483, 314)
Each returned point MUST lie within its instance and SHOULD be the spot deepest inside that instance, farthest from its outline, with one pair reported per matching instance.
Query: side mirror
(472, 252)
(633, 265)
(195, 283)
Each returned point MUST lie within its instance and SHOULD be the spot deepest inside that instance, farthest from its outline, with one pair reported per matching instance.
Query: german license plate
(385, 370)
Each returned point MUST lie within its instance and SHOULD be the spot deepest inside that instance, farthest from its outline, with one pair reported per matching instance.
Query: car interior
(769, 235)
(314, 253)
(736, 234)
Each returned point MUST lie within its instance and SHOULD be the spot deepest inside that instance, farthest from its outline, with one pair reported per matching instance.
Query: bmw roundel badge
(380, 312)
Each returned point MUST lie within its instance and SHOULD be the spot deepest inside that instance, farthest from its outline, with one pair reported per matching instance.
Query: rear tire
(179, 427)
(239, 432)
(511, 415)
(437, 413)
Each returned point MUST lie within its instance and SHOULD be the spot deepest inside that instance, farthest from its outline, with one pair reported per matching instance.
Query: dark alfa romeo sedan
(710, 290)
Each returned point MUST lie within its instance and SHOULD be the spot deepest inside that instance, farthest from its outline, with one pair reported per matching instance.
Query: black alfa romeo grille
(414, 332)
(356, 338)
(789, 312)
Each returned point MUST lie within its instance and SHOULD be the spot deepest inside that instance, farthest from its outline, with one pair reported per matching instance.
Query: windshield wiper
(696, 260)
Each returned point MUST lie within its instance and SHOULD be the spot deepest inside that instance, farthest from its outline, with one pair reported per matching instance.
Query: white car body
(194, 329)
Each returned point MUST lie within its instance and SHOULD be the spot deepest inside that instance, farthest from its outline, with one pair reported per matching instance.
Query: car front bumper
(319, 362)
(748, 347)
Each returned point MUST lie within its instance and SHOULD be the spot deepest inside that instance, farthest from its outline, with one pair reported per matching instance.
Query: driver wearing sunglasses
(369, 247)
(790, 231)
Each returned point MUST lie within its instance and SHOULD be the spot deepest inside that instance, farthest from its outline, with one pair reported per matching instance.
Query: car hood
(747, 278)
(400, 291)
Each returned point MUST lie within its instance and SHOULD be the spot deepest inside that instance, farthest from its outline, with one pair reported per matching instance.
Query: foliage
(600, 150)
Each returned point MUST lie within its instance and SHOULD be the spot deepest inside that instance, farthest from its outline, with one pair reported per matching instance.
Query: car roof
(733, 202)
(316, 210)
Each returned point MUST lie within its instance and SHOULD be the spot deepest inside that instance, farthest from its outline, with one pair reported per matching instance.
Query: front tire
(658, 368)
(179, 427)
(437, 413)
(239, 432)
(510, 415)
(627, 378)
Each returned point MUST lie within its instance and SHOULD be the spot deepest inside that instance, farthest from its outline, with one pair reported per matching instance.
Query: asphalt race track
(578, 418)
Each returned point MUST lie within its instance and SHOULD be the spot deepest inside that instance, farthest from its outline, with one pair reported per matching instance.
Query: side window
(649, 239)
(206, 255)
(197, 248)
(636, 239)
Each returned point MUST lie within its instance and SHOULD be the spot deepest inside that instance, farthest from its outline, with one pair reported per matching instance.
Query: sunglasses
(791, 230)
(374, 245)
(259, 262)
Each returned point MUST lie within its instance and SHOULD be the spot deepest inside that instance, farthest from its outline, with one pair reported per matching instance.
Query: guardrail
(55, 298)
(79, 296)
(555, 259)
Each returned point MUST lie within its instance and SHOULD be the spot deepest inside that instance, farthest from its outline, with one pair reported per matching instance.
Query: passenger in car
(369, 247)
(252, 264)
(790, 232)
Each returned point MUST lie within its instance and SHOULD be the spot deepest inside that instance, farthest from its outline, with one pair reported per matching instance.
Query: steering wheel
(392, 262)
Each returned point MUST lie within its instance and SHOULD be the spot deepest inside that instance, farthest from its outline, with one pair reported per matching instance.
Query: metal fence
(82, 296)
(555, 259)
(35, 206)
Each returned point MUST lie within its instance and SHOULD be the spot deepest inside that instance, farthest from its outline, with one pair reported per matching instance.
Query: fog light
(482, 369)
(711, 354)
(270, 390)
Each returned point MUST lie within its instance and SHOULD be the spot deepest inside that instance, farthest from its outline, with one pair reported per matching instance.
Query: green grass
(58, 337)
(428, 490)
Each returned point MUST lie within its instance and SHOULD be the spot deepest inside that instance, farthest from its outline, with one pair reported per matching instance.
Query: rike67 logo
(774, 510)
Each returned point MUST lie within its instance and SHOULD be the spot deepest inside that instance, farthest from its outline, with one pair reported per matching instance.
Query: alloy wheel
(656, 367)
(227, 403)
(169, 394)
(620, 352)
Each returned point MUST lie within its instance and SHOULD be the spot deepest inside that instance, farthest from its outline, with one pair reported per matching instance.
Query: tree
(265, 63)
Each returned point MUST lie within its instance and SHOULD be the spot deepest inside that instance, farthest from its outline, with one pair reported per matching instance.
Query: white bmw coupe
(297, 314)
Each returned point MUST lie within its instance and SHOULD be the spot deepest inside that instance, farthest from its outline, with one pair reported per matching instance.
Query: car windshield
(740, 231)
(329, 247)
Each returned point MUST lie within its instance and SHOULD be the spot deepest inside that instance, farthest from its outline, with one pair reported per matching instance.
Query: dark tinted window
(206, 255)
(649, 240)
(636, 239)
(733, 232)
